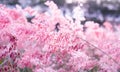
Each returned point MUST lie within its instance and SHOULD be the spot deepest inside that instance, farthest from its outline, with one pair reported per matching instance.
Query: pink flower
(52, 43)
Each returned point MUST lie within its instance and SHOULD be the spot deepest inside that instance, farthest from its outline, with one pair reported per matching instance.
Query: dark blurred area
(94, 10)
(107, 10)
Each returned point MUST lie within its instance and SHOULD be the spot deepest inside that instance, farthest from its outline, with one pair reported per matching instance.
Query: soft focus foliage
(52, 43)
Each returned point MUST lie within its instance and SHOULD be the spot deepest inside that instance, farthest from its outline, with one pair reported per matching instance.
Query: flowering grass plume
(53, 43)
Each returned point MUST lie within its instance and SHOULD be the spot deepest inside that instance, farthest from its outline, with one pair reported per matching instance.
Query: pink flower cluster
(53, 43)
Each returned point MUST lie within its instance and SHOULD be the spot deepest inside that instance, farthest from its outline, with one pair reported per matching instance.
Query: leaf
(1, 61)
(95, 69)
(26, 69)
